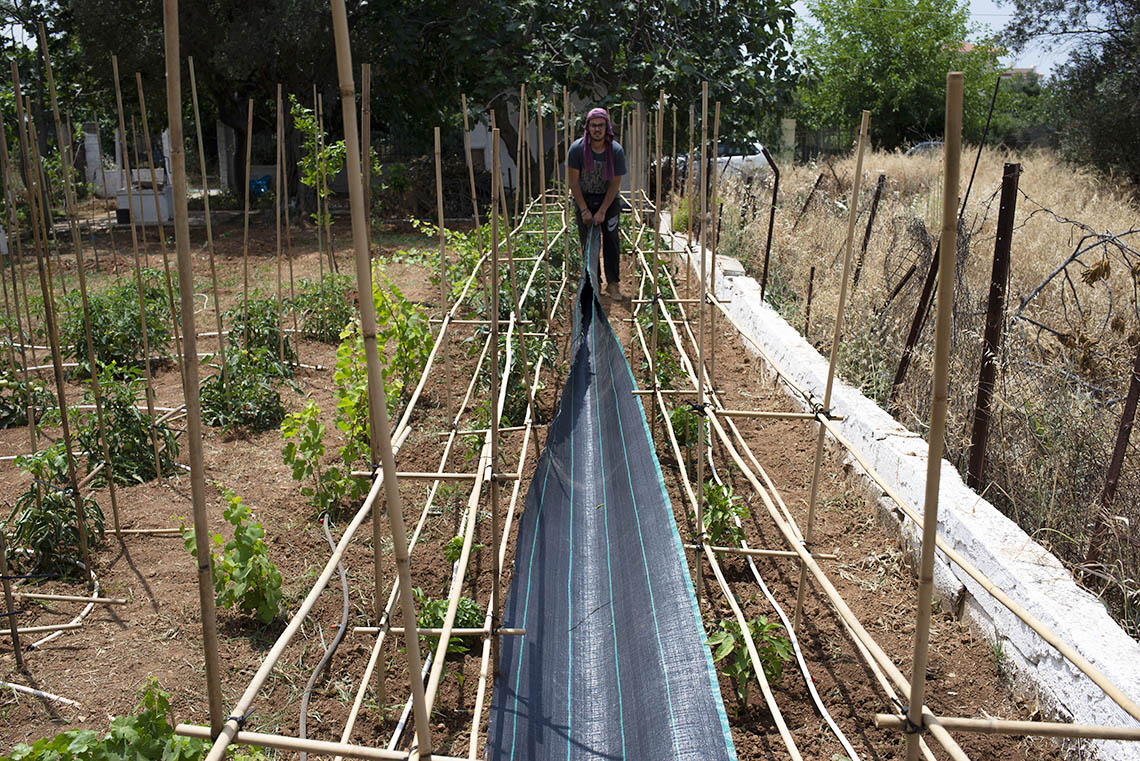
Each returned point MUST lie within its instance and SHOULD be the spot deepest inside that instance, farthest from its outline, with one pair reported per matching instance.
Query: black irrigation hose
(336, 640)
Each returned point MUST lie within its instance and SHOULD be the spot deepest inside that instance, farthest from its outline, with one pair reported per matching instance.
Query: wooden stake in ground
(160, 226)
(283, 163)
(713, 220)
(366, 140)
(317, 191)
(277, 201)
(660, 124)
(323, 197)
(444, 287)
(471, 174)
(542, 196)
(519, 148)
(103, 178)
(245, 230)
(190, 361)
(836, 337)
(138, 272)
(952, 158)
(10, 604)
(496, 195)
(77, 245)
(687, 194)
(35, 198)
(380, 443)
(209, 225)
(701, 353)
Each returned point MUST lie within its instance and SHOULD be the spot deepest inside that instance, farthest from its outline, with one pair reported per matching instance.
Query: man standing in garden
(595, 165)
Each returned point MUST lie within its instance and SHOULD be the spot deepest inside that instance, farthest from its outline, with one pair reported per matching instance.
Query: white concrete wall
(1018, 565)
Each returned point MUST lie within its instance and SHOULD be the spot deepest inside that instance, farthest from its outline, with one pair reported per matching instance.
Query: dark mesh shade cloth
(613, 664)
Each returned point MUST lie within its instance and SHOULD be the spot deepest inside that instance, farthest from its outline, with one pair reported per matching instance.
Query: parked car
(740, 160)
(925, 148)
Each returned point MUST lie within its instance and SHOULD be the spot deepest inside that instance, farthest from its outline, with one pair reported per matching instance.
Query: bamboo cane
(209, 227)
(277, 201)
(567, 212)
(317, 189)
(444, 287)
(673, 160)
(190, 363)
(138, 270)
(138, 167)
(660, 123)
(326, 215)
(836, 338)
(700, 515)
(161, 230)
(1027, 728)
(496, 192)
(687, 194)
(542, 196)
(103, 179)
(77, 245)
(10, 604)
(35, 198)
(245, 229)
(14, 264)
(712, 219)
(952, 158)
(471, 174)
(283, 163)
(366, 140)
(380, 442)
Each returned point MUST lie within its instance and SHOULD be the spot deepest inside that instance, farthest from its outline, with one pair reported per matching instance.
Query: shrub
(243, 575)
(146, 736)
(115, 326)
(432, 613)
(44, 532)
(128, 431)
(721, 507)
(324, 307)
(245, 395)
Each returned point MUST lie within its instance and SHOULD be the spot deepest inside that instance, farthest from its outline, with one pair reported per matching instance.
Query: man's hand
(597, 217)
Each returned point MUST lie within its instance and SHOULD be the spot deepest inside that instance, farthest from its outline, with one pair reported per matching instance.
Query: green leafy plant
(468, 615)
(245, 395)
(128, 431)
(721, 507)
(304, 449)
(146, 736)
(244, 577)
(116, 334)
(773, 648)
(685, 422)
(260, 314)
(454, 548)
(15, 398)
(324, 306)
(42, 528)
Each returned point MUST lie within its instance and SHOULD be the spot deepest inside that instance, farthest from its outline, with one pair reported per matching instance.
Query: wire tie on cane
(909, 727)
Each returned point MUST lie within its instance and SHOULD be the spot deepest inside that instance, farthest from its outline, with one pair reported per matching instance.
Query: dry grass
(1070, 332)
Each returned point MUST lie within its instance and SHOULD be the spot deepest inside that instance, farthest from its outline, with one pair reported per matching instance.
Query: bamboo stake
(471, 174)
(542, 195)
(567, 211)
(687, 194)
(34, 198)
(245, 229)
(1027, 728)
(673, 160)
(150, 399)
(77, 245)
(379, 441)
(209, 227)
(161, 230)
(366, 140)
(41, 629)
(701, 353)
(496, 193)
(141, 222)
(103, 178)
(67, 598)
(836, 338)
(444, 287)
(277, 201)
(952, 158)
(326, 215)
(190, 363)
(10, 604)
(282, 162)
(13, 264)
(656, 254)
(714, 233)
(317, 189)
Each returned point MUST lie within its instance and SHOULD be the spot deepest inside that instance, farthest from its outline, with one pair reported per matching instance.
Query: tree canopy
(1093, 94)
(892, 60)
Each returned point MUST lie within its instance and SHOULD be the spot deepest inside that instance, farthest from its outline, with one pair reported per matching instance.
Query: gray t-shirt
(594, 181)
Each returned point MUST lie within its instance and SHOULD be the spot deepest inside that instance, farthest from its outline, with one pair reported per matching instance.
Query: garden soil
(157, 634)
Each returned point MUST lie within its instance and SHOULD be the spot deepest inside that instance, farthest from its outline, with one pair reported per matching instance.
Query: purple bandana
(588, 153)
